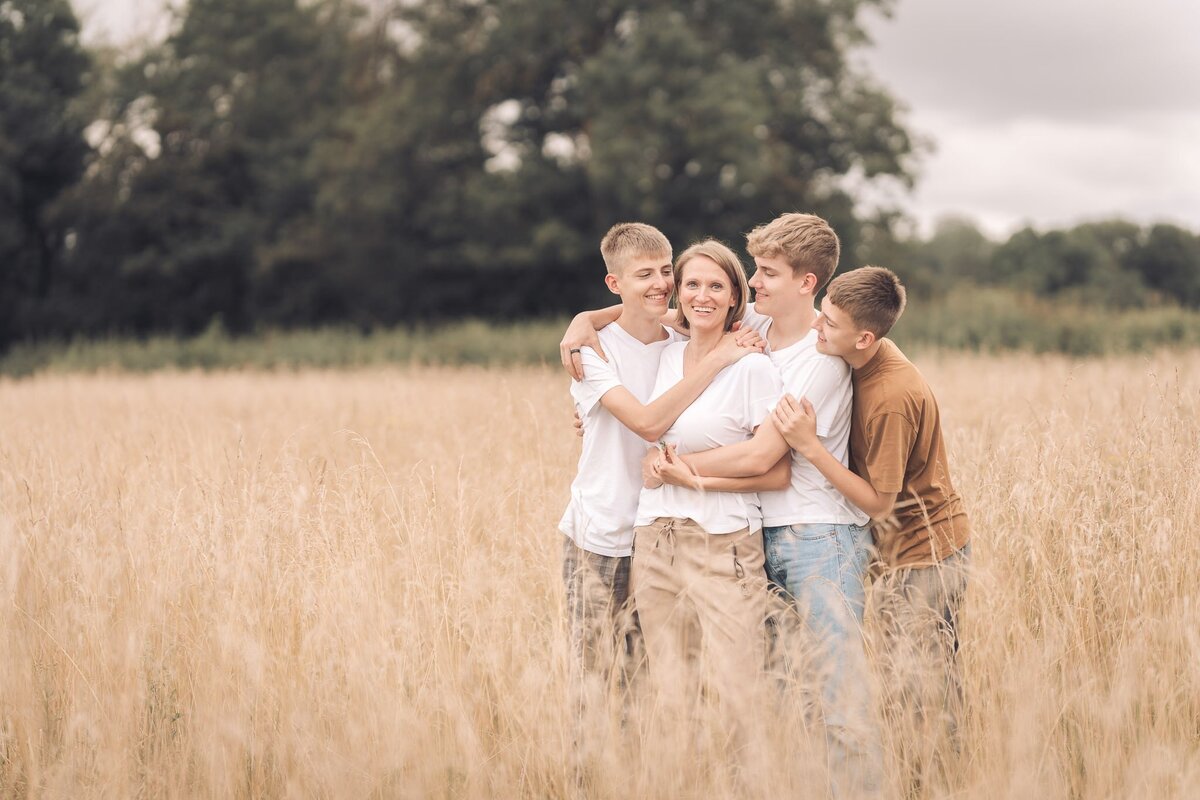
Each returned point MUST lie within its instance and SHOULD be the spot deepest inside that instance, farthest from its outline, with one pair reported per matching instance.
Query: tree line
(283, 164)
(1111, 264)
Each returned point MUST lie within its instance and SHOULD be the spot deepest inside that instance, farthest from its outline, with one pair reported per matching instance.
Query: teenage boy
(901, 478)
(817, 544)
(612, 402)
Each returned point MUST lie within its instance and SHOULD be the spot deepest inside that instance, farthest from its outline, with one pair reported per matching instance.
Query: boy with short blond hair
(901, 478)
(627, 240)
(618, 418)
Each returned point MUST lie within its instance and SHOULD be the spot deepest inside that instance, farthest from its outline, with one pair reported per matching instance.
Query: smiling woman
(697, 577)
(715, 279)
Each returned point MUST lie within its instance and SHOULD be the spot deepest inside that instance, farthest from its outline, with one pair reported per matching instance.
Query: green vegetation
(1108, 263)
(992, 320)
(468, 342)
(310, 163)
(987, 320)
(346, 166)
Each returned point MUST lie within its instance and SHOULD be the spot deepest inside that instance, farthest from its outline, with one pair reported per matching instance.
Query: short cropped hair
(728, 261)
(627, 240)
(805, 241)
(872, 297)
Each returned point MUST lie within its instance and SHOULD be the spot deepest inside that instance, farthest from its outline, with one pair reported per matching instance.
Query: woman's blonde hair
(728, 261)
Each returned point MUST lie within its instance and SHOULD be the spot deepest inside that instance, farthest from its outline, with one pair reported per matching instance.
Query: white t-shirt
(604, 494)
(728, 411)
(825, 381)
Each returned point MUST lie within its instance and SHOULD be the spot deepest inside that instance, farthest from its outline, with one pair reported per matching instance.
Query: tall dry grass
(334, 584)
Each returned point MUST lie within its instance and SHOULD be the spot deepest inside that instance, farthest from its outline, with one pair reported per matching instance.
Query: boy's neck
(644, 327)
(791, 326)
(860, 358)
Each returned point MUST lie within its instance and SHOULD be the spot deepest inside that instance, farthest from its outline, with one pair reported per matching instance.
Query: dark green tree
(405, 206)
(290, 162)
(42, 150)
(1096, 257)
(1088, 263)
(204, 170)
(702, 118)
(959, 251)
(1169, 261)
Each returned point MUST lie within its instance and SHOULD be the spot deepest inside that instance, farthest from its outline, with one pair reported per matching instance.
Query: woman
(697, 574)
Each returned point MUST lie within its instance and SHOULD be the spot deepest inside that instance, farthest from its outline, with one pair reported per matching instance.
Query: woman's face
(705, 294)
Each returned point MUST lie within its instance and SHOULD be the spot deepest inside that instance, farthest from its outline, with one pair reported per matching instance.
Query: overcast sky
(1041, 111)
(1049, 111)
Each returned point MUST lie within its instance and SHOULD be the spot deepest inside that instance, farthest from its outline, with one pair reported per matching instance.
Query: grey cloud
(1061, 59)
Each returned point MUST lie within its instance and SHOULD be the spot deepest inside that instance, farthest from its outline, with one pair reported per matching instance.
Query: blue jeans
(819, 569)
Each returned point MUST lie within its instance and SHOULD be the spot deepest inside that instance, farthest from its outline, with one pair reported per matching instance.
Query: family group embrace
(756, 480)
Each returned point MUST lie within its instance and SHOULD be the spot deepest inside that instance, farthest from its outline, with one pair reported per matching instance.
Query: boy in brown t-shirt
(920, 527)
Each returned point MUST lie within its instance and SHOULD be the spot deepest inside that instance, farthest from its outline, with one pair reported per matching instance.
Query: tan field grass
(332, 584)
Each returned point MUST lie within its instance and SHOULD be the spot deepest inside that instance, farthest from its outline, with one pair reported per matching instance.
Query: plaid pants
(601, 622)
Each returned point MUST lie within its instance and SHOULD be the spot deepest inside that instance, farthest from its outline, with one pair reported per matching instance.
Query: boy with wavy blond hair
(817, 543)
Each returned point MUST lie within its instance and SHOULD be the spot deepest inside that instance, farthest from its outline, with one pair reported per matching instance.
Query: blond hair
(805, 241)
(873, 298)
(628, 240)
(728, 261)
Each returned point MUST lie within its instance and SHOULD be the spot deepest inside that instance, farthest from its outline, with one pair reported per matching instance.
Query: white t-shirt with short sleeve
(727, 412)
(825, 381)
(604, 495)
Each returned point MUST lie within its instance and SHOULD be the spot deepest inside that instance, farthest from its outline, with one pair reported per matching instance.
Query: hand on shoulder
(740, 344)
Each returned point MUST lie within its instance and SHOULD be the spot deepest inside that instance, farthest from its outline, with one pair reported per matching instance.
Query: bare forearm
(853, 487)
(755, 456)
(672, 320)
(601, 317)
(777, 477)
(656, 418)
(741, 460)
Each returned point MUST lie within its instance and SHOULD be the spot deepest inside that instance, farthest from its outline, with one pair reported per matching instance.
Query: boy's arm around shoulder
(651, 420)
(599, 378)
(581, 333)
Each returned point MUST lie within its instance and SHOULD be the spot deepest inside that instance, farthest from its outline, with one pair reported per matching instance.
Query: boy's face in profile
(837, 335)
(776, 285)
(644, 283)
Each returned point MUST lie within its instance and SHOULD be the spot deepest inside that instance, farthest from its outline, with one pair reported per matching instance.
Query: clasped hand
(796, 421)
(663, 465)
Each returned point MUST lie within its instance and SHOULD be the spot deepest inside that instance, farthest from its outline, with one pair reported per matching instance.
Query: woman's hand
(675, 471)
(738, 344)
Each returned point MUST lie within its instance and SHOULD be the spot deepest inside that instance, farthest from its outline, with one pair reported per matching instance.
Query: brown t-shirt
(896, 444)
